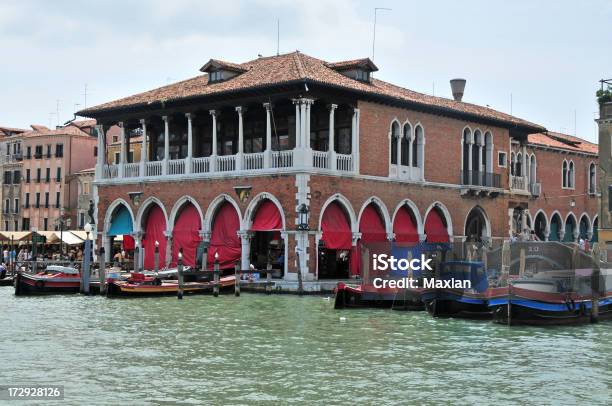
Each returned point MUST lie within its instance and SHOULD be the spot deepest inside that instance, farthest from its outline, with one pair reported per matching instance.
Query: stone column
(138, 260)
(168, 259)
(213, 155)
(410, 138)
(469, 174)
(303, 121)
(239, 158)
(166, 145)
(268, 151)
(298, 124)
(355, 140)
(189, 142)
(510, 221)
(101, 158)
(245, 255)
(398, 140)
(122, 153)
(143, 149)
(331, 138)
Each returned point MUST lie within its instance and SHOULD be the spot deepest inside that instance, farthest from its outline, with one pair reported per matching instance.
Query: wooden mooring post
(216, 278)
(181, 277)
(156, 257)
(505, 271)
(102, 271)
(269, 279)
(237, 277)
(85, 271)
(595, 283)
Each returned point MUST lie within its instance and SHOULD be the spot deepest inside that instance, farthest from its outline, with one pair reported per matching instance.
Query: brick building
(605, 170)
(296, 161)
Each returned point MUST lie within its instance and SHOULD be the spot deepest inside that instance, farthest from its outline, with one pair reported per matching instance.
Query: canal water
(260, 349)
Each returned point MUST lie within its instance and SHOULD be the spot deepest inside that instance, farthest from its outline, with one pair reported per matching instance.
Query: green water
(260, 349)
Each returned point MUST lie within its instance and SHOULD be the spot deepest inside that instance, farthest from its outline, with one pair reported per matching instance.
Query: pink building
(51, 160)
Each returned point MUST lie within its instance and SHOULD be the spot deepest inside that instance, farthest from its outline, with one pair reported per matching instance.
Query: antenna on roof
(57, 109)
(277, 36)
(510, 103)
(85, 95)
(574, 122)
(374, 31)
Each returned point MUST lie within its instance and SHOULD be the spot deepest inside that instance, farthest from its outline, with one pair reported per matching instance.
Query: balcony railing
(518, 183)
(478, 178)
(282, 159)
(131, 170)
(226, 163)
(200, 165)
(176, 167)
(153, 168)
(535, 189)
(344, 162)
(320, 159)
(253, 161)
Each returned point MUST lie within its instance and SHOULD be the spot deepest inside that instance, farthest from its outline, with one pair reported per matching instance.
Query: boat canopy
(62, 269)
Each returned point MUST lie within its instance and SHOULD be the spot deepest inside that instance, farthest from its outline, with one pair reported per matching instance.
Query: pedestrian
(581, 244)
(5, 254)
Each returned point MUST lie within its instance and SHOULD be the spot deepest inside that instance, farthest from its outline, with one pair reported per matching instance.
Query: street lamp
(303, 217)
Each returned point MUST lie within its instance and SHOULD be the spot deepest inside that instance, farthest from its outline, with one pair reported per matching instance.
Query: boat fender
(40, 284)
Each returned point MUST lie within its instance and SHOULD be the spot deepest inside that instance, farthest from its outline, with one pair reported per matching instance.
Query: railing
(254, 161)
(226, 163)
(320, 159)
(110, 172)
(344, 162)
(478, 178)
(176, 167)
(282, 159)
(200, 165)
(518, 182)
(535, 189)
(153, 168)
(131, 170)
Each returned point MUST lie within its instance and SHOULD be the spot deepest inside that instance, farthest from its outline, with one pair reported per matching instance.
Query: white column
(245, 254)
(470, 175)
(398, 151)
(213, 155)
(331, 138)
(307, 149)
(189, 142)
(268, 151)
(143, 149)
(101, 158)
(122, 153)
(168, 259)
(355, 140)
(524, 167)
(166, 145)
(298, 124)
(410, 139)
(481, 161)
(239, 109)
(303, 120)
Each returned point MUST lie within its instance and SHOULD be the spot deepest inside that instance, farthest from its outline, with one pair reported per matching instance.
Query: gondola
(361, 296)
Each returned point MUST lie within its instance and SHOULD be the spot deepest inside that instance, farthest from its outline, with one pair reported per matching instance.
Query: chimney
(457, 87)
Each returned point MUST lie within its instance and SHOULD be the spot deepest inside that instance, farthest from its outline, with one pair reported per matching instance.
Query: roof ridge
(298, 64)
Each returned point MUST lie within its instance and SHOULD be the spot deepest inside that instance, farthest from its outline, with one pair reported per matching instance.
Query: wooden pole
(216, 278)
(86, 267)
(156, 259)
(102, 272)
(522, 263)
(237, 276)
(595, 284)
(505, 273)
(181, 279)
(269, 279)
(299, 276)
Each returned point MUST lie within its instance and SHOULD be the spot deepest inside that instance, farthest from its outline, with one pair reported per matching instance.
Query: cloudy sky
(545, 56)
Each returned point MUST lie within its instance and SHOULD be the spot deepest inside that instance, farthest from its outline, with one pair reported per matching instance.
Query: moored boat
(361, 296)
(142, 285)
(54, 279)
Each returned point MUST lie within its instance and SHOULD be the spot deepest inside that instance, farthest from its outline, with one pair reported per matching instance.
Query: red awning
(186, 235)
(128, 243)
(372, 226)
(267, 218)
(154, 231)
(405, 227)
(434, 227)
(336, 228)
(224, 237)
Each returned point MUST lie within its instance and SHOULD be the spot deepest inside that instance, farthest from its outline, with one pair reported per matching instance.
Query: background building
(605, 172)
(11, 169)
(85, 182)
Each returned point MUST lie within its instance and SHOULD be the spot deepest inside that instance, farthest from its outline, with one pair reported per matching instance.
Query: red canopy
(224, 237)
(186, 235)
(434, 227)
(154, 231)
(128, 243)
(336, 228)
(405, 227)
(267, 218)
(371, 226)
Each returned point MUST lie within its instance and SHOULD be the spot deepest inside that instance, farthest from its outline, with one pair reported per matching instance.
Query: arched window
(532, 169)
(488, 153)
(512, 164)
(477, 152)
(518, 170)
(592, 178)
(406, 143)
(395, 133)
(564, 173)
(418, 147)
(570, 175)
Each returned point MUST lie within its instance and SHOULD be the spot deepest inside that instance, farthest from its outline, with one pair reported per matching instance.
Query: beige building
(10, 168)
(605, 172)
(85, 180)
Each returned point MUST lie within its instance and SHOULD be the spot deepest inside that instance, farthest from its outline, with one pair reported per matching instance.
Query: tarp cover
(404, 227)
(267, 218)
(68, 238)
(336, 228)
(186, 235)
(434, 227)
(129, 244)
(121, 222)
(154, 231)
(372, 229)
(224, 238)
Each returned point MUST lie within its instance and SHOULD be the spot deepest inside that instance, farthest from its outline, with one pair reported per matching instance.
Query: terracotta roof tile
(39, 131)
(363, 62)
(563, 141)
(275, 70)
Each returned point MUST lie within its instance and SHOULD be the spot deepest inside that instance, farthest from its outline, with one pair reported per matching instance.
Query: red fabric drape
(405, 227)
(336, 228)
(267, 218)
(434, 227)
(372, 229)
(224, 238)
(154, 231)
(128, 243)
(186, 235)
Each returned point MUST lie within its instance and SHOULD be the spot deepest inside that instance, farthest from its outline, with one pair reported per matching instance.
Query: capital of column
(267, 106)
(356, 237)
(241, 109)
(332, 106)
(189, 115)
(205, 235)
(121, 124)
(245, 234)
(168, 234)
(143, 121)
(213, 113)
(166, 118)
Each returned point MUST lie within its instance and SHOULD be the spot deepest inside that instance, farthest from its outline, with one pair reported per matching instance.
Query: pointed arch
(406, 143)
(443, 211)
(110, 211)
(395, 132)
(214, 206)
(382, 210)
(409, 204)
(595, 228)
(470, 219)
(585, 221)
(541, 225)
(346, 205)
(570, 227)
(144, 207)
(251, 210)
(176, 209)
